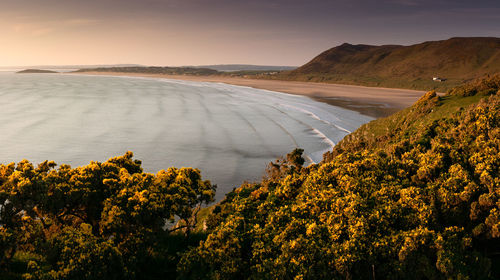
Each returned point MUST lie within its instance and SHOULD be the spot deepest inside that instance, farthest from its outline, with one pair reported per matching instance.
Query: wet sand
(371, 101)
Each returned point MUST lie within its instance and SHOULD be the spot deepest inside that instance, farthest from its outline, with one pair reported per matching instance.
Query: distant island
(35, 71)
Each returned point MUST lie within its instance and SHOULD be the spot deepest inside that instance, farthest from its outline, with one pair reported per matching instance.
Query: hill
(35, 71)
(457, 60)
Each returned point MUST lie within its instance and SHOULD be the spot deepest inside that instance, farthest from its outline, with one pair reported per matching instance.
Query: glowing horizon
(198, 32)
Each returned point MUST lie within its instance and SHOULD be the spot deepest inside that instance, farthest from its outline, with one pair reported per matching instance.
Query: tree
(95, 221)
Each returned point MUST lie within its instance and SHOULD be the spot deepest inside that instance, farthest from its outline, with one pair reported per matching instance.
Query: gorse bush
(411, 196)
(384, 204)
(100, 221)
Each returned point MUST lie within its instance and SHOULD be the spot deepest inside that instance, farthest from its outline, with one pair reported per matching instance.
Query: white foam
(339, 121)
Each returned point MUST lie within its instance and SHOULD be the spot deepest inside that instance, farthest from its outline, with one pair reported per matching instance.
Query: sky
(201, 32)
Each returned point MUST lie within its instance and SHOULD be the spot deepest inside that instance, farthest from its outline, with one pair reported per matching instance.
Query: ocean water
(229, 132)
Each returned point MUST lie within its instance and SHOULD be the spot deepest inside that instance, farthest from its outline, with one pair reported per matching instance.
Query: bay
(229, 132)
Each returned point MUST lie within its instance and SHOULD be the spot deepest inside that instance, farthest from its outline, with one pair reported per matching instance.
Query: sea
(229, 132)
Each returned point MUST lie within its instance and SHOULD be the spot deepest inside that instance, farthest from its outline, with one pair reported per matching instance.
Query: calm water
(229, 132)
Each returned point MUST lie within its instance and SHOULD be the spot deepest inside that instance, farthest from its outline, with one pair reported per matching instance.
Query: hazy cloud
(175, 32)
(81, 21)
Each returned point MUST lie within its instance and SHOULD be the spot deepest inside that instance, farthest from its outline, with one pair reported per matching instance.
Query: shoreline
(370, 101)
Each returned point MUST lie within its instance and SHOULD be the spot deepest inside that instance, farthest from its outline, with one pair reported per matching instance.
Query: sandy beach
(371, 101)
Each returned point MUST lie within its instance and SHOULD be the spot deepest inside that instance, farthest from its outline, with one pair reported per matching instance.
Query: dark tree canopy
(100, 221)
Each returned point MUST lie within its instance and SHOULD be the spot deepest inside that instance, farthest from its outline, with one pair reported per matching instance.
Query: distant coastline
(36, 71)
(370, 101)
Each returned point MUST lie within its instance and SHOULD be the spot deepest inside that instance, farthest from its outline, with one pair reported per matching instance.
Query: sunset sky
(197, 32)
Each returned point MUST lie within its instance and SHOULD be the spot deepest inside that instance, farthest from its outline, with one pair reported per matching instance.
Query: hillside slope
(456, 59)
(411, 196)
